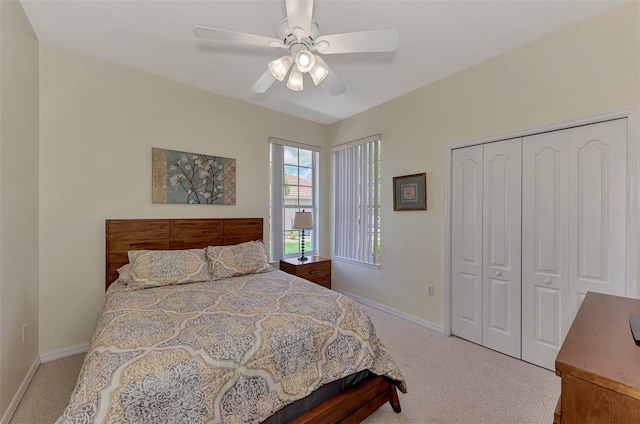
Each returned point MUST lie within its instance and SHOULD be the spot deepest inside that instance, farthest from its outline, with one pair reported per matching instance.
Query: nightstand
(315, 269)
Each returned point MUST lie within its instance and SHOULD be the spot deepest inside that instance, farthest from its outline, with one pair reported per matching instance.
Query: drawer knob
(498, 273)
(547, 281)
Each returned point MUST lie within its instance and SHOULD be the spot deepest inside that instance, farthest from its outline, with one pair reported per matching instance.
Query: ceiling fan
(300, 36)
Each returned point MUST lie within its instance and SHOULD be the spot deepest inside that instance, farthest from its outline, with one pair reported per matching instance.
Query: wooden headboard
(123, 235)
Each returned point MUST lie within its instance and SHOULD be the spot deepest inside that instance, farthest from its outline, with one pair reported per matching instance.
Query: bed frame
(350, 406)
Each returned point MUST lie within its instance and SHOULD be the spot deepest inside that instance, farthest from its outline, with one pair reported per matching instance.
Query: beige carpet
(49, 391)
(449, 380)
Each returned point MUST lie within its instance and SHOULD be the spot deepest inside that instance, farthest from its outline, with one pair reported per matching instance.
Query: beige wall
(18, 199)
(98, 123)
(589, 68)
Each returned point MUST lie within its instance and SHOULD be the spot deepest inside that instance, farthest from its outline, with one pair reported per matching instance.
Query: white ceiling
(437, 38)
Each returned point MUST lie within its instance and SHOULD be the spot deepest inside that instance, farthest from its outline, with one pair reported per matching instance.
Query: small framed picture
(410, 192)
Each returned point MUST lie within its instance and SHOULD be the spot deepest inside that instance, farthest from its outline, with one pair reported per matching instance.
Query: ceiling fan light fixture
(300, 35)
(318, 73)
(280, 67)
(295, 79)
(305, 60)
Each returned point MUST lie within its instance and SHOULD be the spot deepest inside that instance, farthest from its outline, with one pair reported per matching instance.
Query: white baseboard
(396, 313)
(64, 353)
(23, 388)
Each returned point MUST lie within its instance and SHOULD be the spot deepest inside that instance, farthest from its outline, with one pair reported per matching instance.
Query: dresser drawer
(314, 271)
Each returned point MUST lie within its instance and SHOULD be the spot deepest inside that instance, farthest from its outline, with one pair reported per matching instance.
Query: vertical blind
(357, 200)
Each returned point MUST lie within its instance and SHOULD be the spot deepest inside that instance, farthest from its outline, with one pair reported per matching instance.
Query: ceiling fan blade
(263, 83)
(299, 16)
(383, 40)
(332, 83)
(237, 37)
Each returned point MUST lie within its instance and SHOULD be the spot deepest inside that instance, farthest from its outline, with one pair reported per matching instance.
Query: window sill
(353, 262)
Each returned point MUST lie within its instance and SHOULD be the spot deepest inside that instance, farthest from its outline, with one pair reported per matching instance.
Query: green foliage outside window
(294, 247)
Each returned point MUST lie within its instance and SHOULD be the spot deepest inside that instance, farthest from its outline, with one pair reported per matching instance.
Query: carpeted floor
(49, 391)
(449, 380)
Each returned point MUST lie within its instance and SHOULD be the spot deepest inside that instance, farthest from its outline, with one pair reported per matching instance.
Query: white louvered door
(466, 284)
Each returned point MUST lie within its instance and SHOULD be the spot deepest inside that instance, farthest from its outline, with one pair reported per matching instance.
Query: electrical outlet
(429, 289)
(24, 330)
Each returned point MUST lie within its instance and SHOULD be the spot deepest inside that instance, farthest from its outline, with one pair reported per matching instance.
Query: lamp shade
(318, 73)
(280, 67)
(302, 221)
(295, 79)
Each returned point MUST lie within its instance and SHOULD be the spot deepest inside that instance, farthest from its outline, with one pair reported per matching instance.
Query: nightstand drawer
(324, 282)
(314, 271)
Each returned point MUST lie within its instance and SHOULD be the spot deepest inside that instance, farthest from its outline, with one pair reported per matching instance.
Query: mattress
(236, 350)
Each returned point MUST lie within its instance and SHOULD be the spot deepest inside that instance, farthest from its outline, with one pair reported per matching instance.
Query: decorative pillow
(154, 268)
(124, 273)
(238, 259)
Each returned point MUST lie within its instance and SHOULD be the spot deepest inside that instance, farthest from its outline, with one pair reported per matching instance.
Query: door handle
(547, 281)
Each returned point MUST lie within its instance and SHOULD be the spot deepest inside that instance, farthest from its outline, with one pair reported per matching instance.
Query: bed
(256, 346)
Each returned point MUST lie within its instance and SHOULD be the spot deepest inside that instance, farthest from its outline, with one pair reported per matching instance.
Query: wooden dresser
(315, 269)
(599, 364)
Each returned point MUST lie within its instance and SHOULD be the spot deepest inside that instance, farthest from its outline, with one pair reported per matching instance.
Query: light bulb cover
(295, 79)
(280, 67)
(305, 60)
(318, 73)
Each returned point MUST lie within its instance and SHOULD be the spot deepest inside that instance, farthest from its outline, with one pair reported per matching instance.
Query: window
(293, 170)
(357, 201)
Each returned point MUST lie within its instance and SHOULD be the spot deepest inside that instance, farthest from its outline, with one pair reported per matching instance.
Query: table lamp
(302, 221)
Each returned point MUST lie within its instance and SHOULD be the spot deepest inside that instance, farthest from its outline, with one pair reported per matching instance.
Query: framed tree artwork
(410, 192)
(192, 178)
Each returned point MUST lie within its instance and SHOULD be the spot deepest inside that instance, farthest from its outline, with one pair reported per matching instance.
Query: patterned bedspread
(227, 351)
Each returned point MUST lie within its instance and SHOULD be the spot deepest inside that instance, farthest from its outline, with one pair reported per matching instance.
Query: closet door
(598, 201)
(466, 251)
(574, 229)
(501, 246)
(545, 247)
